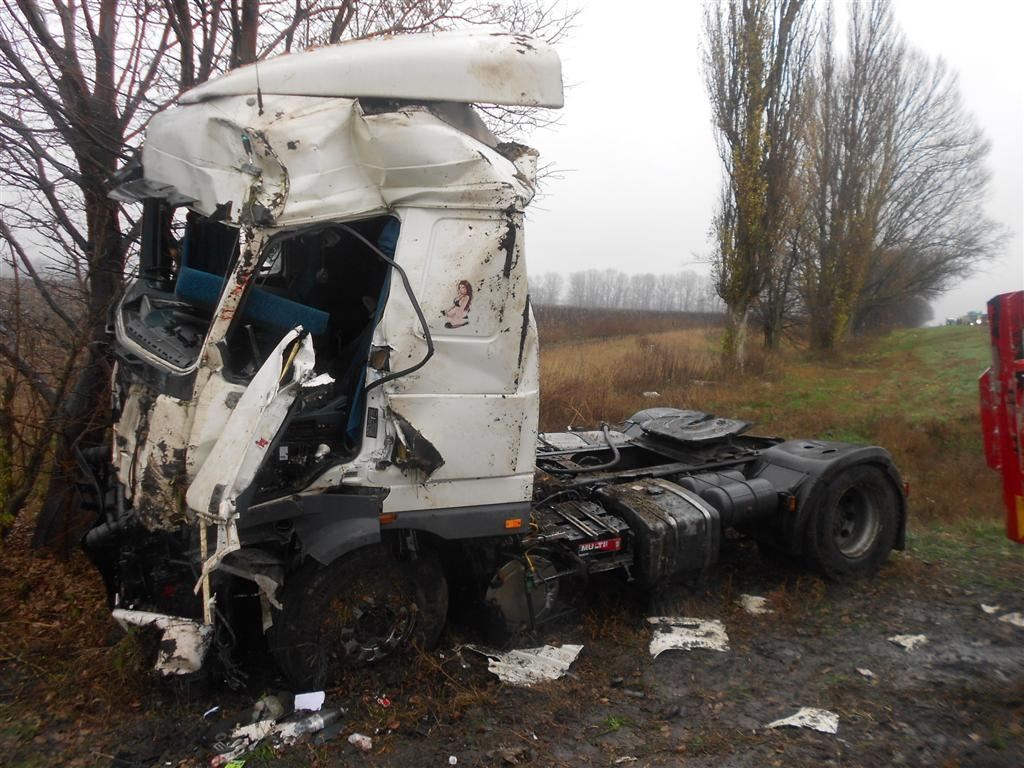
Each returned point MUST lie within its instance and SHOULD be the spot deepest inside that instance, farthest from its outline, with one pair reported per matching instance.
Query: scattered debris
(685, 634)
(243, 739)
(184, 642)
(360, 742)
(755, 605)
(318, 381)
(909, 642)
(625, 759)
(652, 395)
(269, 707)
(289, 733)
(247, 737)
(527, 666)
(211, 711)
(1016, 619)
(311, 701)
(511, 755)
(989, 609)
(864, 672)
(453, 760)
(808, 717)
(383, 701)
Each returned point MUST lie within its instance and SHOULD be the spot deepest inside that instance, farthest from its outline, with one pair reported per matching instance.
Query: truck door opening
(334, 285)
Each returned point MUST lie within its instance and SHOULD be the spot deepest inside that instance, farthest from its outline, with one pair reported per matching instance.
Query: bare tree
(546, 288)
(80, 79)
(755, 56)
(76, 86)
(895, 170)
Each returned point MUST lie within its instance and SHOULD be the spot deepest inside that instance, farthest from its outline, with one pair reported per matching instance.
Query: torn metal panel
(156, 467)
(414, 451)
(184, 644)
(237, 455)
(460, 66)
(308, 159)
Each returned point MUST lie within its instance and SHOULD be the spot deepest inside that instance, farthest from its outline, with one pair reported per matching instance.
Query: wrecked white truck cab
(327, 381)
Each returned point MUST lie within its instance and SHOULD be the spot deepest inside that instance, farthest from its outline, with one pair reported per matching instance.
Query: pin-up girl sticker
(457, 315)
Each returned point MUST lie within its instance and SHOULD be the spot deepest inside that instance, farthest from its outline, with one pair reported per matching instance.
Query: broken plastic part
(458, 66)
(685, 634)
(754, 605)
(184, 643)
(808, 717)
(528, 666)
(361, 742)
(909, 642)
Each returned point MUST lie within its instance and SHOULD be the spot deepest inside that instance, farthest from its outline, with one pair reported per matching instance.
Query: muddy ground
(73, 691)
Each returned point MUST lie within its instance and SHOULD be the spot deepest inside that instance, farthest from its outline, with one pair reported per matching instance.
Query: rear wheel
(854, 531)
(360, 609)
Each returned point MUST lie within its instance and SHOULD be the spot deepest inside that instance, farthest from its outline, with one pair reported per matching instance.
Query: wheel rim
(856, 523)
(365, 629)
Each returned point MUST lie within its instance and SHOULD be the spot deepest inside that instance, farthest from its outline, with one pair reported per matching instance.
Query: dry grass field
(913, 392)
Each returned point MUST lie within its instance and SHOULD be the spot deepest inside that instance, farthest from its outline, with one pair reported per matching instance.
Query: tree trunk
(59, 523)
(735, 341)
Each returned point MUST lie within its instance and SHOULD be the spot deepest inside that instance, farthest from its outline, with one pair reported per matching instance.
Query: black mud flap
(804, 468)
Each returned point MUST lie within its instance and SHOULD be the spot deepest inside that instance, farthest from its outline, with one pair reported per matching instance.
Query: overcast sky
(640, 172)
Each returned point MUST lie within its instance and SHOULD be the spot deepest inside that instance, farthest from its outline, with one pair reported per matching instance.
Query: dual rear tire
(854, 530)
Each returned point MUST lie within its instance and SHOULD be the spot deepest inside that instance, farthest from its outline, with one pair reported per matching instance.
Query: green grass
(914, 392)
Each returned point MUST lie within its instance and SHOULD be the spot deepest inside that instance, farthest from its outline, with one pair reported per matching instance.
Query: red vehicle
(1002, 404)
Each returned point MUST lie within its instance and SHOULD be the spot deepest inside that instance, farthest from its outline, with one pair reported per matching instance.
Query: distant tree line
(683, 291)
(854, 182)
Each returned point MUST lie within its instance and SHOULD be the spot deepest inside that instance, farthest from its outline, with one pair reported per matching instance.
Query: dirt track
(958, 700)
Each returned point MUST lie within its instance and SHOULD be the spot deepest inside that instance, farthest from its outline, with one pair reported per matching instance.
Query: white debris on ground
(909, 642)
(243, 739)
(288, 733)
(808, 717)
(361, 742)
(865, 672)
(686, 634)
(989, 609)
(311, 701)
(755, 605)
(527, 666)
(247, 737)
(184, 642)
(652, 395)
(1016, 619)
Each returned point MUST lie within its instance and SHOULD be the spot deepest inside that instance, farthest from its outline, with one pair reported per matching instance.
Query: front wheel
(853, 532)
(364, 607)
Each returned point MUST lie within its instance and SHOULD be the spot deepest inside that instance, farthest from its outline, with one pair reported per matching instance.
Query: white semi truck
(326, 387)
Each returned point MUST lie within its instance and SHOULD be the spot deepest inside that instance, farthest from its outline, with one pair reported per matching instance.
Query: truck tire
(363, 607)
(851, 535)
